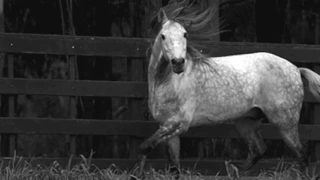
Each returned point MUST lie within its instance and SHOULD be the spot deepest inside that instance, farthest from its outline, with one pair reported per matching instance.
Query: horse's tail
(313, 81)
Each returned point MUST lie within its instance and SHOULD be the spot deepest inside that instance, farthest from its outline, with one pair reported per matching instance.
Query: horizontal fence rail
(85, 88)
(137, 47)
(73, 87)
(133, 128)
(73, 45)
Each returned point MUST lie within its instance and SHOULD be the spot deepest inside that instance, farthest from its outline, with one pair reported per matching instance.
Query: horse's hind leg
(291, 138)
(248, 129)
(287, 123)
(174, 154)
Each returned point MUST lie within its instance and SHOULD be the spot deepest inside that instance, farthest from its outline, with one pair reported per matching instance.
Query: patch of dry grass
(21, 169)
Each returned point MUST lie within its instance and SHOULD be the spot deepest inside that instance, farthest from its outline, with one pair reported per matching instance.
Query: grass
(21, 169)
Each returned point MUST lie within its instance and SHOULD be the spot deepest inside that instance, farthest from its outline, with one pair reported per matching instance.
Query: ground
(20, 169)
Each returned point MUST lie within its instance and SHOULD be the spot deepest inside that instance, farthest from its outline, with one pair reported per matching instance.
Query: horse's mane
(195, 18)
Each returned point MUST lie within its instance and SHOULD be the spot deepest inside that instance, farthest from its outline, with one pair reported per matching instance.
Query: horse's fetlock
(145, 148)
(303, 161)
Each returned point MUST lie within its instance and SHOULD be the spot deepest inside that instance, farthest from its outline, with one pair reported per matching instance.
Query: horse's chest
(172, 99)
(164, 104)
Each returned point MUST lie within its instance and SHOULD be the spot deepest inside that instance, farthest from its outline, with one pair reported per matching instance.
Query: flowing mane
(195, 18)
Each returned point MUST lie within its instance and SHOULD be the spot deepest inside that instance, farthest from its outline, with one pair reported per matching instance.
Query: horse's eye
(185, 35)
(163, 37)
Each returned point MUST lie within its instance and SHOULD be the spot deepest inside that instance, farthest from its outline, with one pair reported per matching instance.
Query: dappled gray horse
(188, 89)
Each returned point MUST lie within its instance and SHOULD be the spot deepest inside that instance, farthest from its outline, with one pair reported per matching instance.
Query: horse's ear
(162, 17)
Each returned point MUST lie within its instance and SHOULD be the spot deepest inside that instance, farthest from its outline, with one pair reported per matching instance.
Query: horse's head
(174, 42)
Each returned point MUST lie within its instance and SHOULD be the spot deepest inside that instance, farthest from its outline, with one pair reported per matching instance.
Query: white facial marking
(174, 41)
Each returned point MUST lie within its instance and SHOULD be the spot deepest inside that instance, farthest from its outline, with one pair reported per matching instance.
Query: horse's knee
(169, 130)
(255, 154)
(255, 142)
(261, 145)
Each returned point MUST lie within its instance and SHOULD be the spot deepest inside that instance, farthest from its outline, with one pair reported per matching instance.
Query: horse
(189, 89)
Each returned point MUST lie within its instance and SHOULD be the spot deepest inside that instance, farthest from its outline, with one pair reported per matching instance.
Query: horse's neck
(158, 69)
(155, 56)
(156, 63)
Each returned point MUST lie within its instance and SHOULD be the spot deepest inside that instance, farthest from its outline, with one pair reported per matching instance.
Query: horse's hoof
(175, 171)
(133, 178)
(232, 170)
(137, 177)
(245, 166)
(137, 174)
(249, 163)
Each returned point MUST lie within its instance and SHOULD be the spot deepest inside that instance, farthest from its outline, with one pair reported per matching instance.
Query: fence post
(72, 102)
(12, 137)
(134, 104)
(2, 60)
(7, 140)
(135, 73)
(315, 156)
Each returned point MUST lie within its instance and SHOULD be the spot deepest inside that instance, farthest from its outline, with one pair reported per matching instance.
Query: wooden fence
(134, 48)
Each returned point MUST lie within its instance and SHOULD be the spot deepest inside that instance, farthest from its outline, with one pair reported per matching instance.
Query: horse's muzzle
(177, 65)
(177, 68)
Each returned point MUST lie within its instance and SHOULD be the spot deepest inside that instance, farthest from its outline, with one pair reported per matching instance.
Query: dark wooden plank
(73, 45)
(72, 60)
(73, 87)
(84, 88)
(296, 53)
(133, 128)
(136, 47)
(2, 61)
(315, 154)
(135, 72)
(2, 30)
(308, 97)
(316, 120)
(11, 107)
(205, 167)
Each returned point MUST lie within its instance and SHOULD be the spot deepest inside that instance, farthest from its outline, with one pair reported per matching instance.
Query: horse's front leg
(174, 155)
(170, 129)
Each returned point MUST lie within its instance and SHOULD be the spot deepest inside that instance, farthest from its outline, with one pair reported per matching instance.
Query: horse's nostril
(174, 61)
(177, 61)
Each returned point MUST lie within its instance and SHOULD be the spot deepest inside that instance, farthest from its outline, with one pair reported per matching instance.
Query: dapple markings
(188, 89)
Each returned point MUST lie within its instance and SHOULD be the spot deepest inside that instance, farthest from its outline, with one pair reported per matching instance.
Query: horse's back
(259, 59)
(262, 65)
(278, 79)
